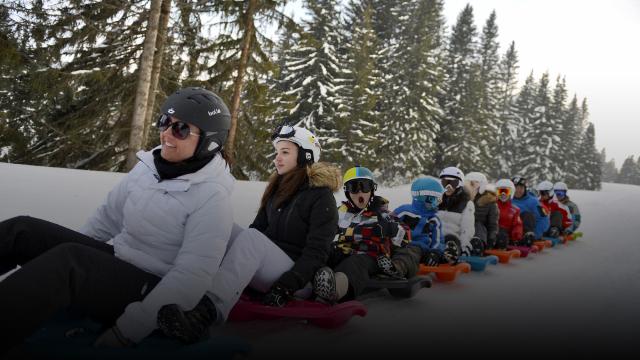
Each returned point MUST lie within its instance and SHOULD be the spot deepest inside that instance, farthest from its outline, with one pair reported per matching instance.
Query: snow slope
(575, 299)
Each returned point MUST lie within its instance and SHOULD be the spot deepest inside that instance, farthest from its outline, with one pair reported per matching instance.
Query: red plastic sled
(319, 314)
(445, 272)
(504, 255)
(524, 250)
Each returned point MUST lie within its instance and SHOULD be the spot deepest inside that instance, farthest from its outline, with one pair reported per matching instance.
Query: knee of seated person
(17, 221)
(251, 237)
(70, 249)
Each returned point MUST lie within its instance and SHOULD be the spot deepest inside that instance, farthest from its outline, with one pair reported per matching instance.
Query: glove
(113, 338)
(452, 252)
(431, 258)
(528, 238)
(278, 296)
(554, 232)
(477, 247)
(388, 227)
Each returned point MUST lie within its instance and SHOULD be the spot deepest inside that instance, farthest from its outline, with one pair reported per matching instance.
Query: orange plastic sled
(540, 245)
(445, 272)
(504, 255)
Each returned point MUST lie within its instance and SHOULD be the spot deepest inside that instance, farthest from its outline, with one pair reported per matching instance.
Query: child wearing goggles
(511, 229)
(559, 215)
(370, 242)
(457, 211)
(560, 189)
(427, 238)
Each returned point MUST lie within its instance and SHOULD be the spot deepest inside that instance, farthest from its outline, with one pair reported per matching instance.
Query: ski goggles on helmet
(547, 193)
(179, 129)
(560, 193)
(431, 202)
(356, 186)
(503, 191)
(454, 183)
(283, 131)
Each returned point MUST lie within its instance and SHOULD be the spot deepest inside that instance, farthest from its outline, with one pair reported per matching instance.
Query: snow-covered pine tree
(591, 172)
(509, 132)
(524, 111)
(314, 75)
(571, 138)
(489, 120)
(609, 170)
(542, 144)
(457, 140)
(558, 118)
(242, 47)
(628, 171)
(87, 54)
(413, 79)
(16, 68)
(362, 88)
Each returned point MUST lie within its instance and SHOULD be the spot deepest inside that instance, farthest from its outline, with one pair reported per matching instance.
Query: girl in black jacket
(288, 241)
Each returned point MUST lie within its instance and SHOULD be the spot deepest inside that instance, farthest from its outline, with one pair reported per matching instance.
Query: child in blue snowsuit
(427, 238)
(535, 219)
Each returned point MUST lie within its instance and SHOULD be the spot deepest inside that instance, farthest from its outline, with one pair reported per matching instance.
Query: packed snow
(573, 299)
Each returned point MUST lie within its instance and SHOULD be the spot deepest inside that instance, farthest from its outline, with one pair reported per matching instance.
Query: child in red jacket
(560, 214)
(510, 223)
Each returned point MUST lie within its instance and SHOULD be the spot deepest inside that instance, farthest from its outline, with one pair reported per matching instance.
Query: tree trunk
(239, 82)
(144, 82)
(161, 40)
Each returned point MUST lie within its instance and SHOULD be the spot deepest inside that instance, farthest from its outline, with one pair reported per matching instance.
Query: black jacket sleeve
(323, 222)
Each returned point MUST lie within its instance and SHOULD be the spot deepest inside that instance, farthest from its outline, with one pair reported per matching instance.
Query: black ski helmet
(206, 111)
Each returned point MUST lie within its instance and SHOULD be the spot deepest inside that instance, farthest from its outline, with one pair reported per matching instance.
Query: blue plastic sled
(479, 263)
(64, 338)
(555, 241)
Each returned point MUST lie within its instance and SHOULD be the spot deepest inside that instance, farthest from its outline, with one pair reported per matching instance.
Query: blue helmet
(426, 193)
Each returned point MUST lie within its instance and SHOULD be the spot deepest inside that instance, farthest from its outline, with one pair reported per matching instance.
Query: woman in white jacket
(169, 221)
(456, 212)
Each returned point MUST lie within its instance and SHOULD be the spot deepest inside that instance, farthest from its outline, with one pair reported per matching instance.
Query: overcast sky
(595, 44)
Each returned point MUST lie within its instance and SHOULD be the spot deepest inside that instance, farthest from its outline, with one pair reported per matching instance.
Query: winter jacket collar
(323, 174)
(485, 198)
(216, 172)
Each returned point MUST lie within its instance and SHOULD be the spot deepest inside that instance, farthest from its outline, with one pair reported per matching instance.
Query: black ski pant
(555, 219)
(528, 222)
(60, 270)
(359, 268)
(503, 239)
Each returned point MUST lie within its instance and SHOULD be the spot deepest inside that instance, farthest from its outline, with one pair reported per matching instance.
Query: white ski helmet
(506, 184)
(545, 187)
(307, 142)
(453, 172)
(480, 178)
(560, 186)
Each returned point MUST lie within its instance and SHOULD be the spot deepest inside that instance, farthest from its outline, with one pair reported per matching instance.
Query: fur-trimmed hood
(322, 174)
(486, 198)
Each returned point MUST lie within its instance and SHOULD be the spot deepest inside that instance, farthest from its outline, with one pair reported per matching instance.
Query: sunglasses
(179, 129)
(283, 131)
(363, 186)
(453, 182)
